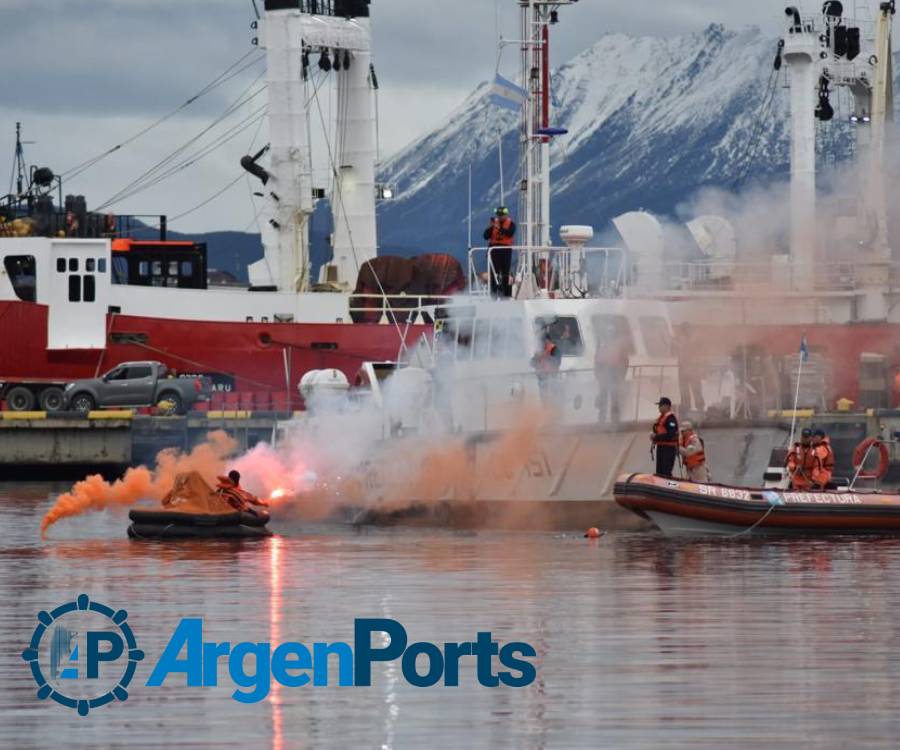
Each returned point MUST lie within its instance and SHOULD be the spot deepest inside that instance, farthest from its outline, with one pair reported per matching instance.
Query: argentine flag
(506, 94)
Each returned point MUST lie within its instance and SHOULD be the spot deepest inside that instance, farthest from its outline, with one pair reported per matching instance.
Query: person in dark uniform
(664, 438)
(500, 236)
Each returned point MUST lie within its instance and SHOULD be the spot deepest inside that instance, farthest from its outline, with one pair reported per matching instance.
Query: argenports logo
(83, 655)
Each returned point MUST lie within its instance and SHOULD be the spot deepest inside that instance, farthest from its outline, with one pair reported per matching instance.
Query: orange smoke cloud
(96, 494)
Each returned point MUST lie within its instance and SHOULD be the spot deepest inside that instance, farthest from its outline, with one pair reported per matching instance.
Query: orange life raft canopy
(193, 509)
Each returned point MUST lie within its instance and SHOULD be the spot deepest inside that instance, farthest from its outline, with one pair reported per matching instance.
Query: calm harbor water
(642, 642)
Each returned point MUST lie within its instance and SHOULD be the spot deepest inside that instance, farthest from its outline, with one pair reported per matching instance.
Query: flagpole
(470, 206)
(804, 353)
(502, 190)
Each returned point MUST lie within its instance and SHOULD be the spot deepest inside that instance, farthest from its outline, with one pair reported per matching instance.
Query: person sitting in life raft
(229, 488)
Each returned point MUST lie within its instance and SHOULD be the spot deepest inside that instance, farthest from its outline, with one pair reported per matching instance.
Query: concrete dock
(38, 445)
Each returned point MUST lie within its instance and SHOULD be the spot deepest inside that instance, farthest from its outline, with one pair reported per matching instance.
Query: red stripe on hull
(253, 353)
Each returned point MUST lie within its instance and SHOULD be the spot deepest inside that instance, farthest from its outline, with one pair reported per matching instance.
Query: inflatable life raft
(193, 510)
(681, 507)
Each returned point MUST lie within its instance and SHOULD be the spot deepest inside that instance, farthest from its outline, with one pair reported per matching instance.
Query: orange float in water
(593, 533)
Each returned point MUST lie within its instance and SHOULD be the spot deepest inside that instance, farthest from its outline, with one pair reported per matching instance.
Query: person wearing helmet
(802, 462)
(500, 236)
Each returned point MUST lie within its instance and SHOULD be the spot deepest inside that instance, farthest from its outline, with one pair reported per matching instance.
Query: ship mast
(825, 53)
(534, 153)
(303, 38)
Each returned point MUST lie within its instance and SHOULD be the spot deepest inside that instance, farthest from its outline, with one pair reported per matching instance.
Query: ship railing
(773, 276)
(556, 272)
(393, 309)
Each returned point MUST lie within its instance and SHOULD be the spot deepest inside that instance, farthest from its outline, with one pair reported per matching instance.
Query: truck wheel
(51, 399)
(175, 399)
(83, 402)
(20, 399)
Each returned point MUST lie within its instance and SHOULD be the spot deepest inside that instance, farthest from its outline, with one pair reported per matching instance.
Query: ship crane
(339, 30)
(823, 54)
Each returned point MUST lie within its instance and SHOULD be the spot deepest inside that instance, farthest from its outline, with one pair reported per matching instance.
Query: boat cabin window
(60, 265)
(657, 337)
(564, 332)
(506, 339)
(90, 265)
(179, 265)
(75, 288)
(22, 272)
(73, 265)
(613, 330)
(89, 289)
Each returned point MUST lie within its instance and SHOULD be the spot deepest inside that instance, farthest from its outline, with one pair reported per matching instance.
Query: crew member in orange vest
(824, 465)
(802, 462)
(664, 438)
(546, 365)
(500, 236)
(230, 489)
(693, 454)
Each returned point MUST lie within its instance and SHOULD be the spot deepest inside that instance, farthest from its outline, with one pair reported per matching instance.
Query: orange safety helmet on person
(501, 233)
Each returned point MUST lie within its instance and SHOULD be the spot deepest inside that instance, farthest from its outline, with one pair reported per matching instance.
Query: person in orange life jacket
(500, 236)
(824, 465)
(664, 438)
(231, 491)
(546, 365)
(693, 454)
(802, 462)
(610, 370)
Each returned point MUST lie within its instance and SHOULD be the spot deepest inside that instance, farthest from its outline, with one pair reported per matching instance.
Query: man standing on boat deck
(664, 438)
(693, 454)
(823, 469)
(500, 236)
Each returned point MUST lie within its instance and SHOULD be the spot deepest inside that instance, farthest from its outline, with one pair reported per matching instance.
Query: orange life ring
(862, 451)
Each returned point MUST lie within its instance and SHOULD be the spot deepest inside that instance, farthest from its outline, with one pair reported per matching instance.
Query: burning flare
(95, 493)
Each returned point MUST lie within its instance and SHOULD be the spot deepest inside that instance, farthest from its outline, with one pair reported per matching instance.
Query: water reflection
(642, 642)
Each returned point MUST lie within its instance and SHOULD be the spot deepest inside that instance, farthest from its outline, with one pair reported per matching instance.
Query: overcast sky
(84, 75)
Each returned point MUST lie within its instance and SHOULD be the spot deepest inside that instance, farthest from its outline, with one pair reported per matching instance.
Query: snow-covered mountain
(651, 121)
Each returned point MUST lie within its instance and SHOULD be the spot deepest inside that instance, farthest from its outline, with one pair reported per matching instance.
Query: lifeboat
(193, 510)
(681, 507)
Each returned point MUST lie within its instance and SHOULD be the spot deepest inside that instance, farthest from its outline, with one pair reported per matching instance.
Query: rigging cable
(242, 100)
(222, 78)
(252, 119)
(337, 191)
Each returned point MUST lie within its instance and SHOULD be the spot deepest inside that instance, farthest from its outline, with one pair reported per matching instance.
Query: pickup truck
(136, 384)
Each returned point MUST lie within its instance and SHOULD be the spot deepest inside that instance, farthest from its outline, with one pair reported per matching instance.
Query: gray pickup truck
(135, 384)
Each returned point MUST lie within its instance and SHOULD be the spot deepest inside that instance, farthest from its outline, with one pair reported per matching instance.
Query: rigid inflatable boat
(192, 510)
(681, 507)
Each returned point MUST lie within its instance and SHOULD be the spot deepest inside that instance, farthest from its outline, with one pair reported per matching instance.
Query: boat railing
(556, 272)
(773, 276)
(390, 309)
